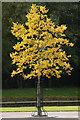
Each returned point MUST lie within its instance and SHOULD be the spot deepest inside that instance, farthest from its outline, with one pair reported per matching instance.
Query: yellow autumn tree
(39, 47)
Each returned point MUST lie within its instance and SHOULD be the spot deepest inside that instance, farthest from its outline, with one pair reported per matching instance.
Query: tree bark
(50, 83)
(38, 97)
(19, 82)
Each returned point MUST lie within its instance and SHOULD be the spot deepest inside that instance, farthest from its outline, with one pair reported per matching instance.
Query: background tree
(40, 48)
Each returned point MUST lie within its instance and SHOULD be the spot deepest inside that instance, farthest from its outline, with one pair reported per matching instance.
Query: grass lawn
(31, 92)
(30, 109)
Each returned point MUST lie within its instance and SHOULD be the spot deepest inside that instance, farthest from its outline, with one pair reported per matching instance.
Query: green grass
(30, 109)
(18, 93)
(61, 92)
(31, 92)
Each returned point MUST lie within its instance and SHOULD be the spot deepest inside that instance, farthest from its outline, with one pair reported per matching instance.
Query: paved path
(51, 116)
(40, 119)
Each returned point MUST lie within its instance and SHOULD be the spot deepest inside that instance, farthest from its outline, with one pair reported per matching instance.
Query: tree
(39, 51)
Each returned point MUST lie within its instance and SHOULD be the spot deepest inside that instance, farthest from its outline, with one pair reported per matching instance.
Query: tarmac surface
(28, 116)
(39, 119)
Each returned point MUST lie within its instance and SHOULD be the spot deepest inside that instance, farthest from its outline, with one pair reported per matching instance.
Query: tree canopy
(40, 46)
(60, 13)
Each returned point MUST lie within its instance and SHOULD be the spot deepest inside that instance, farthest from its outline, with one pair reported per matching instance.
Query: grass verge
(50, 93)
(31, 92)
(30, 109)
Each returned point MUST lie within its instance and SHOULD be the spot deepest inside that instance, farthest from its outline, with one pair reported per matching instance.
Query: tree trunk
(19, 82)
(38, 97)
(50, 83)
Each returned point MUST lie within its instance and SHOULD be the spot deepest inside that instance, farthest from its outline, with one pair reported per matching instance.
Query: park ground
(65, 93)
(48, 94)
(51, 116)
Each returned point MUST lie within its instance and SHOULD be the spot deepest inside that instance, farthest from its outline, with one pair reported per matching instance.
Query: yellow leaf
(71, 44)
(69, 56)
